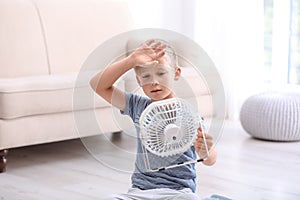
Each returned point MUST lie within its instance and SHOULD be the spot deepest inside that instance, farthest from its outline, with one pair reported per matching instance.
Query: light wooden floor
(247, 169)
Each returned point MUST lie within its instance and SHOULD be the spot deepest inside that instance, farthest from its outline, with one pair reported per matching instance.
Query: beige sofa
(43, 45)
(47, 46)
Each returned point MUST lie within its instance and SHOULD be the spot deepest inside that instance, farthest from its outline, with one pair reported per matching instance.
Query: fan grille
(168, 127)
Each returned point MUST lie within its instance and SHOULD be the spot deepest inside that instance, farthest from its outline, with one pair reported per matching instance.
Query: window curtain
(231, 32)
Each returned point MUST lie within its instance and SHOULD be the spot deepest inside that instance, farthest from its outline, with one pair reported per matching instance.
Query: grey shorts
(155, 194)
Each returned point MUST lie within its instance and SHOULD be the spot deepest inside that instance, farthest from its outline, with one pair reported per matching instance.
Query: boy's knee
(115, 197)
(190, 196)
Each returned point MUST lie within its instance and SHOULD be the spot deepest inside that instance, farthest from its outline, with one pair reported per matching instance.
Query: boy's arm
(103, 82)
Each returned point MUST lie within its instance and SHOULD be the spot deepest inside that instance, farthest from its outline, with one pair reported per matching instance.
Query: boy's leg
(134, 194)
(217, 197)
(155, 194)
(116, 197)
(186, 195)
(137, 194)
(162, 194)
(191, 196)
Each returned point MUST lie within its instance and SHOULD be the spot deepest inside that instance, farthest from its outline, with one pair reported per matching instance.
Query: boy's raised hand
(148, 54)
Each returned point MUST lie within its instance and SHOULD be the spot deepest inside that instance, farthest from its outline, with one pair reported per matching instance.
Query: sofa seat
(27, 96)
(46, 106)
(52, 127)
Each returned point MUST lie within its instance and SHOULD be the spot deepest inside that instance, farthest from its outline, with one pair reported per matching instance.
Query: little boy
(155, 64)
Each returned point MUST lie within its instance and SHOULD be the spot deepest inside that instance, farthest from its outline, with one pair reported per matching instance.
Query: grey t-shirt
(174, 178)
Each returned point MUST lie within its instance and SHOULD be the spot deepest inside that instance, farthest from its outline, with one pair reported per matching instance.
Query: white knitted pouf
(272, 116)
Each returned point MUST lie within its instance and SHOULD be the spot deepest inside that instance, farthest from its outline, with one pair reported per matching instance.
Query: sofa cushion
(22, 49)
(74, 28)
(44, 94)
(55, 127)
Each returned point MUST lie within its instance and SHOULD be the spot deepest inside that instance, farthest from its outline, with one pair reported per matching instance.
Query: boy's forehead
(154, 67)
(164, 61)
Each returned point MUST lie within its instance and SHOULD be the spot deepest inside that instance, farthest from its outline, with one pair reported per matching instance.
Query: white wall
(231, 32)
(175, 15)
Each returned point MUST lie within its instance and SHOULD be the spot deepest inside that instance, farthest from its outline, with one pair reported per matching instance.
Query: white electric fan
(169, 128)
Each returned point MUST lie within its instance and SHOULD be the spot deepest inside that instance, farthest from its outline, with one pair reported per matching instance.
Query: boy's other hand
(199, 143)
(203, 150)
